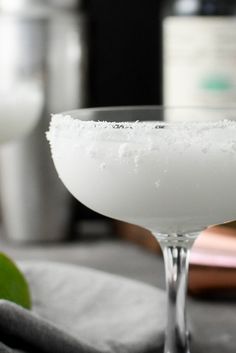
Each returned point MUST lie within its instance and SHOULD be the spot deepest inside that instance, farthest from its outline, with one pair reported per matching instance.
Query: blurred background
(58, 55)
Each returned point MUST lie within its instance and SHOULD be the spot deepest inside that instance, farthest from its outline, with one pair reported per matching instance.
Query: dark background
(124, 39)
(125, 52)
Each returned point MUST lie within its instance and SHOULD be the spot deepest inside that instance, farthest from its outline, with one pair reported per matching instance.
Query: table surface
(213, 323)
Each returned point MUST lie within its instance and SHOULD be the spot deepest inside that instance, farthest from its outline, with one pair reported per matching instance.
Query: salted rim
(61, 122)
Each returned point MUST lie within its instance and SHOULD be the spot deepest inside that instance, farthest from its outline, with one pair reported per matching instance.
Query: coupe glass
(173, 178)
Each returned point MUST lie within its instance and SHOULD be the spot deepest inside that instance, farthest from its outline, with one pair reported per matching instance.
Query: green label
(216, 83)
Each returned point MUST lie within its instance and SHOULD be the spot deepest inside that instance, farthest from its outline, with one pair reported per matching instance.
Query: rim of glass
(93, 123)
(147, 107)
(67, 120)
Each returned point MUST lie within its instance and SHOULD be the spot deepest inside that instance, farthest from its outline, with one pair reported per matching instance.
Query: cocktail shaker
(43, 47)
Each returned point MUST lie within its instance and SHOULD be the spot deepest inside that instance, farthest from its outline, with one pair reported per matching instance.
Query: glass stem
(176, 258)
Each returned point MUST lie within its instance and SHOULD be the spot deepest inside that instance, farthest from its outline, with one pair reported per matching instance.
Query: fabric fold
(81, 310)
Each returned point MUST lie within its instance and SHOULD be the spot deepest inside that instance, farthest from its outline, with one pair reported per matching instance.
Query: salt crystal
(122, 150)
(136, 161)
(91, 151)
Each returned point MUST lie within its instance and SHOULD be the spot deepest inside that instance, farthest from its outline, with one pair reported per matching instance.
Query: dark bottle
(199, 53)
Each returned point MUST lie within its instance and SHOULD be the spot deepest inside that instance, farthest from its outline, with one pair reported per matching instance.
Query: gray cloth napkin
(80, 310)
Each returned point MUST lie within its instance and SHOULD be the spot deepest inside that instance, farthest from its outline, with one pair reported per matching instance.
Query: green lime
(13, 285)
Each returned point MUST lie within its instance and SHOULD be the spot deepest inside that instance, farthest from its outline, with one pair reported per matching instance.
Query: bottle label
(199, 61)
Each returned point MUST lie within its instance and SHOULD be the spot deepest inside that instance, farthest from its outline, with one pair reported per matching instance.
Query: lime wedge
(13, 285)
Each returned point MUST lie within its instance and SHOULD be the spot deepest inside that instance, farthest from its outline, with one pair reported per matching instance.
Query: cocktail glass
(174, 179)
